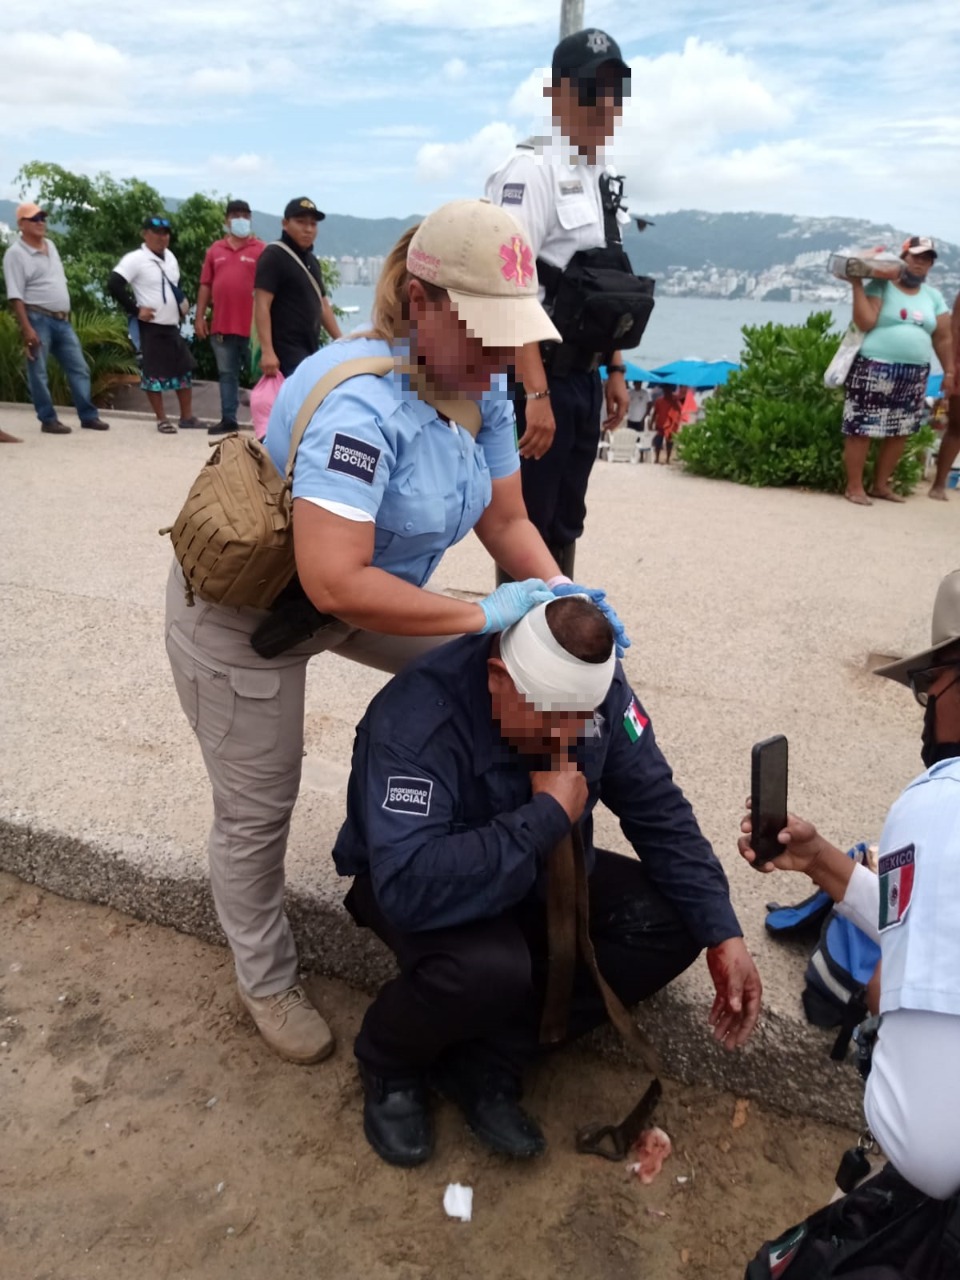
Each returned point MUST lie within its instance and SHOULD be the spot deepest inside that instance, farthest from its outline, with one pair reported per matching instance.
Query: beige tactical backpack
(233, 537)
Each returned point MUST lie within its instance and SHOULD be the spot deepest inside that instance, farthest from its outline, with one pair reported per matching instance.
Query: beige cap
(944, 631)
(28, 210)
(480, 254)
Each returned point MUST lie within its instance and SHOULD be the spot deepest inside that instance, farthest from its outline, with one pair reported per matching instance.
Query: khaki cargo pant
(247, 713)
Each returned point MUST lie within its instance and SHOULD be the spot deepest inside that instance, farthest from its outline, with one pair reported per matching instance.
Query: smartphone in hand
(768, 797)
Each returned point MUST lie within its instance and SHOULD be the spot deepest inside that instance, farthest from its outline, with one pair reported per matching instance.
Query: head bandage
(549, 677)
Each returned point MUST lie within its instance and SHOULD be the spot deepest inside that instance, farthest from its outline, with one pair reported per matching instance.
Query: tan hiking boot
(290, 1024)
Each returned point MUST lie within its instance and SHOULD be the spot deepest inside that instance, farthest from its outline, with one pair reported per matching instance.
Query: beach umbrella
(698, 374)
(635, 373)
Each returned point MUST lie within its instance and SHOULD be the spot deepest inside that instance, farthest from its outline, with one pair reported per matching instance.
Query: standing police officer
(570, 207)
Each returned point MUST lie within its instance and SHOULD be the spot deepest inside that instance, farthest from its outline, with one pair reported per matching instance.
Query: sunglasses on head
(158, 224)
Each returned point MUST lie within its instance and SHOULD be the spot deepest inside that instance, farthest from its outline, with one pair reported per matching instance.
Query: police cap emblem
(598, 42)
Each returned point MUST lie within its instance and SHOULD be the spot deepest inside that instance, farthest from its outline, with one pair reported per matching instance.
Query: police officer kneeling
(901, 1217)
(469, 768)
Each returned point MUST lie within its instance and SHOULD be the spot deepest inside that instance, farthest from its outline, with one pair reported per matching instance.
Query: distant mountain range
(770, 256)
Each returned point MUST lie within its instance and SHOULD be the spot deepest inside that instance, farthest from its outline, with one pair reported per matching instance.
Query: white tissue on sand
(458, 1202)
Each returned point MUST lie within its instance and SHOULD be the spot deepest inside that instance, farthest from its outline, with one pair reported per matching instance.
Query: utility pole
(571, 17)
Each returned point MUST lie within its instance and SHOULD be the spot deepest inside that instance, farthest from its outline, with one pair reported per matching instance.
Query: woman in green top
(905, 321)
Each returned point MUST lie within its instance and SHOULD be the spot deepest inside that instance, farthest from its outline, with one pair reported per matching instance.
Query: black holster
(292, 619)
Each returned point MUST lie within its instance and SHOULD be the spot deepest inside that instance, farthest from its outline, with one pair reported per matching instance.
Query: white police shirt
(912, 907)
(150, 279)
(374, 452)
(555, 195)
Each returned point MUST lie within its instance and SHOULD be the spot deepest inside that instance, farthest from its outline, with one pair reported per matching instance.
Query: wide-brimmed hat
(480, 254)
(944, 632)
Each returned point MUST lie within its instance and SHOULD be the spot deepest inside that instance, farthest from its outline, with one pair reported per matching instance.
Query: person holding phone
(912, 908)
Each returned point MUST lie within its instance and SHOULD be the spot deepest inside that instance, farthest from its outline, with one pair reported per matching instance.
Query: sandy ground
(147, 1131)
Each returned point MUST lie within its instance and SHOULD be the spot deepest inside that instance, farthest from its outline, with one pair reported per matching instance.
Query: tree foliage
(776, 424)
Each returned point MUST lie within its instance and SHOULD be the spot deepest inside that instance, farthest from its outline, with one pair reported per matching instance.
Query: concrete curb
(786, 1064)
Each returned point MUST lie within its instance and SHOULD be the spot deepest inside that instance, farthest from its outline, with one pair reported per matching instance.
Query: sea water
(679, 329)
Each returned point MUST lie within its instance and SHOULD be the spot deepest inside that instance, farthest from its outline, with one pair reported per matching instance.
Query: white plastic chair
(623, 445)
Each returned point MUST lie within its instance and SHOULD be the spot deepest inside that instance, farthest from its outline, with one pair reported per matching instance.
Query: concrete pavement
(752, 612)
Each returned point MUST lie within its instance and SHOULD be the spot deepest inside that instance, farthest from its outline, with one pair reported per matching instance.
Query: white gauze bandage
(548, 677)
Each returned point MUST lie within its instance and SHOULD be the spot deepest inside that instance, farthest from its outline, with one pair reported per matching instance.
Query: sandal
(858, 499)
(192, 424)
(166, 427)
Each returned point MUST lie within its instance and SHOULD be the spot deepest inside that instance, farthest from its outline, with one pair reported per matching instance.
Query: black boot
(396, 1119)
(489, 1098)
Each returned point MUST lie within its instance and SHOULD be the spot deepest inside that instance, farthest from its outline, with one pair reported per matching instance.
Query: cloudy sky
(799, 106)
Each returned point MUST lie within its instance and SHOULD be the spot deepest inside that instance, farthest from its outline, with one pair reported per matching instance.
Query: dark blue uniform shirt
(440, 811)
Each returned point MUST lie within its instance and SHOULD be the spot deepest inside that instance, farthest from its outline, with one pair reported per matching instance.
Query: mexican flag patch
(896, 885)
(634, 721)
(783, 1251)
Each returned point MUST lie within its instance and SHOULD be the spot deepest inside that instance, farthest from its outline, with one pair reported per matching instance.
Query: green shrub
(776, 424)
(103, 337)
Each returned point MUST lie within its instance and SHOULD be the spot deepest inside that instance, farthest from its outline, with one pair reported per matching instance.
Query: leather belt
(54, 315)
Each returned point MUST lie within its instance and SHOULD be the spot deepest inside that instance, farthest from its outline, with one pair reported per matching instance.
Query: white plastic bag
(262, 397)
(838, 370)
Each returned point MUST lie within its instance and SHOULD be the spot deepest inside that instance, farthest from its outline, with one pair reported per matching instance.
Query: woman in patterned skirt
(905, 321)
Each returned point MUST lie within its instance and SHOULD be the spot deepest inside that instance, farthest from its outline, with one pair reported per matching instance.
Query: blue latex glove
(507, 605)
(599, 598)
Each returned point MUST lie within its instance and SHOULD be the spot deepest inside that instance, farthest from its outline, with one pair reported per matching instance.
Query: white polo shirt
(913, 909)
(150, 278)
(555, 194)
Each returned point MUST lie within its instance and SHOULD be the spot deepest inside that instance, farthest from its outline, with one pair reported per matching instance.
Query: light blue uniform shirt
(372, 446)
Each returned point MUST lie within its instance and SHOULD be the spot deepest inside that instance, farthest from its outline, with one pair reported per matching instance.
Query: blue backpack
(841, 963)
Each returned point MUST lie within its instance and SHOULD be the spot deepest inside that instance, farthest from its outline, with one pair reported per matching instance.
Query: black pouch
(598, 304)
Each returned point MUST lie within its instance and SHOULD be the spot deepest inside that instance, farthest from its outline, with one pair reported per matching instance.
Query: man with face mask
(227, 279)
(469, 770)
(912, 908)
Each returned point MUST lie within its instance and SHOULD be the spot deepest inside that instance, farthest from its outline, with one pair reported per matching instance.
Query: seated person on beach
(912, 908)
(469, 768)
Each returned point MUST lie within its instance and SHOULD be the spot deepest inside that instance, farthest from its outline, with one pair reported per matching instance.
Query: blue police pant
(555, 486)
(58, 339)
(475, 991)
(232, 354)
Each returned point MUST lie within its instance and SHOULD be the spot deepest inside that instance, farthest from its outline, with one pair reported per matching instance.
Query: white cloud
(471, 159)
(527, 100)
(398, 131)
(241, 166)
(455, 70)
(235, 81)
(70, 81)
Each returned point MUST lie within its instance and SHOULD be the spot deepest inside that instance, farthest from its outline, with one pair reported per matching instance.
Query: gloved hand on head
(508, 604)
(564, 587)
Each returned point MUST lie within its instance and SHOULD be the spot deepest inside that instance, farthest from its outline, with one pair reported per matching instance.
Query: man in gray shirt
(37, 291)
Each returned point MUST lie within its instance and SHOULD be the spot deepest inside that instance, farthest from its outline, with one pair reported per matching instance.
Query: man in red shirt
(227, 278)
(667, 412)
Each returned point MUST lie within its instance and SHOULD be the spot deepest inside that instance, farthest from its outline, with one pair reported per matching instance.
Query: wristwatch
(616, 368)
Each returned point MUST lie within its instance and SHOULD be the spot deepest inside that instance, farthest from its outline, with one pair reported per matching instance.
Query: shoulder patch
(353, 457)
(513, 193)
(408, 795)
(896, 885)
(634, 721)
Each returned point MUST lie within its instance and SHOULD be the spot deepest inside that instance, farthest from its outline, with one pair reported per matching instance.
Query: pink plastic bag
(261, 402)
